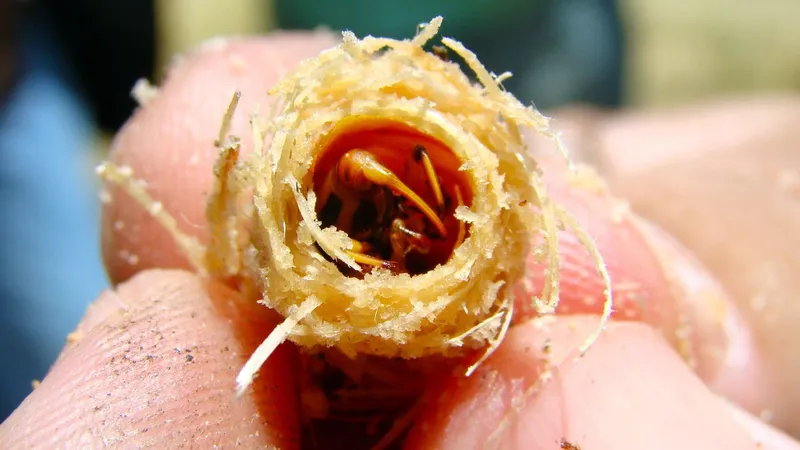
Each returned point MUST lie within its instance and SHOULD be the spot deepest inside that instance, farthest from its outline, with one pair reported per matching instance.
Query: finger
(169, 143)
(630, 391)
(153, 364)
(653, 280)
(724, 180)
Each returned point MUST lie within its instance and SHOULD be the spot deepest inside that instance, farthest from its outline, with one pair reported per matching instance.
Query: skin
(153, 361)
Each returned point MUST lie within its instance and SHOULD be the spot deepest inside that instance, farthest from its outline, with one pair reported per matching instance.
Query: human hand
(155, 360)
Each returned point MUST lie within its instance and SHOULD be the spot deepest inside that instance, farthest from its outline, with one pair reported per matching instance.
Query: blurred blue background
(61, 84)
(66, 69)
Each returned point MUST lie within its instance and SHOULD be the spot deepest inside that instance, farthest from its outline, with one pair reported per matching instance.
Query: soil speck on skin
(566, 445)
(189, 358)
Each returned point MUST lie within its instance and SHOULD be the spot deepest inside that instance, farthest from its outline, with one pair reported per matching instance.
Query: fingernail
(711, 336)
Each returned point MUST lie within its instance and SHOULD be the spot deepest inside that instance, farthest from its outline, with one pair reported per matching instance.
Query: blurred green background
(678, 51)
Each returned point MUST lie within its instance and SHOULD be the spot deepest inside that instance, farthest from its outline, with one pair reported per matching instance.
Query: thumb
(722, 178)
(630, 391)
(154, 363)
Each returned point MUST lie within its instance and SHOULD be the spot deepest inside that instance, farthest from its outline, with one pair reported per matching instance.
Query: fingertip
(629, 391)
(155, 364)
(721, 177)
(653, 280)
(169, 142)
(719, 345)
